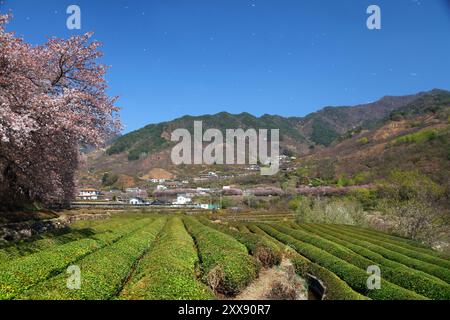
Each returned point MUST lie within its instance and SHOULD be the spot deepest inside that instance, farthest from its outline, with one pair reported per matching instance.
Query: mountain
(321, 134)
(413, 137)
(319, 128)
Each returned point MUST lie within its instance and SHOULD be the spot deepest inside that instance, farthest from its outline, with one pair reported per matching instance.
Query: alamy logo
(374, 279)
(374, 20)
(235, 146)
(74, 20)
(74, 279)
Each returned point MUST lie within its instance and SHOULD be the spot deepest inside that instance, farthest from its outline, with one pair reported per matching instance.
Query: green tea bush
(355, 277)
(103, 272)
(168, 270)
(80, 230)
(392, 271)
(336, 289)
(21, 274)
(437, 271)
(264, 251)
(412, 253)
(226, 266)
(256, 230)
(399, 241)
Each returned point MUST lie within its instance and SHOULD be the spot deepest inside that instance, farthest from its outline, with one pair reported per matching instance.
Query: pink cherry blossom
(52, 100)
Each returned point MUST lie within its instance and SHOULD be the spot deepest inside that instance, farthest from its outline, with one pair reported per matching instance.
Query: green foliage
(361, 177)
(366, 197)
(435, 102)
(264, 251)
(154, 137)
(226, 265)
(167, 271)
(344, 181)
(109, 179)
(354, 276)
(425, 255)
(392, 271)
(394, 253)
(21, 274)
(406, 185)
(399, 241)
(77, 231)
(323, 133)
(417, 137)
(336, 289)
(102, 272)
(363, 140)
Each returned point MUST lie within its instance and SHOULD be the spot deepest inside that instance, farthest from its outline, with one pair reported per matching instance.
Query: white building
(133, 190)
(135, 201)
(160, 187)
(88, 194)
(183, 199)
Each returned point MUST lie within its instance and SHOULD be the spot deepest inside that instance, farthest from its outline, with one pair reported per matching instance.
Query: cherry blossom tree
(52, 100)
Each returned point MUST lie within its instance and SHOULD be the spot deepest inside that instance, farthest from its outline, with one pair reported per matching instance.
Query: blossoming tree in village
(52, 100)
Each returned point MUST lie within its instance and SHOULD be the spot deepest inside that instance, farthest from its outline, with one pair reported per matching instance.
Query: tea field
(181, 257)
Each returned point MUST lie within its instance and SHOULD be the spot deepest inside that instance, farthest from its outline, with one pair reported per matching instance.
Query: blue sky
(289, 57)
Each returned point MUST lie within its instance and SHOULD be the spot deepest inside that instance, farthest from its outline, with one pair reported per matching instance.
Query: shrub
(426, 267)
(394, 272)
(336, 289)
(109, 179)
(103, 272)
(226, 266)
(366, 197)
(417, 137)
(415, 219)
(48, 240)
(408, 185)
(355, 277)
(426, 256)
(399, 241)
(265, 252)
(255, 229)
(363, 140)
(329, 210)
(344, 181)
(167, 271)
(21, 274)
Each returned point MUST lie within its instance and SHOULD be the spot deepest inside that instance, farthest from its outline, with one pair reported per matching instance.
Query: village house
(136, 201)
(172, 184)
(203, 191)
(183, 199)
(88, 194)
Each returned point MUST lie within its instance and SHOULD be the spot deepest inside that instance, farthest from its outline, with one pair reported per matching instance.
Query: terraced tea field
(137, 256)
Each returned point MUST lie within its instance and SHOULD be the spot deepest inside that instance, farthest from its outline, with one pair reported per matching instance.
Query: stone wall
(22, 230)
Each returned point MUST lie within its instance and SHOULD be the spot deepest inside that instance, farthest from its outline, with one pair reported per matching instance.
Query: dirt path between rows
(279, 283)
